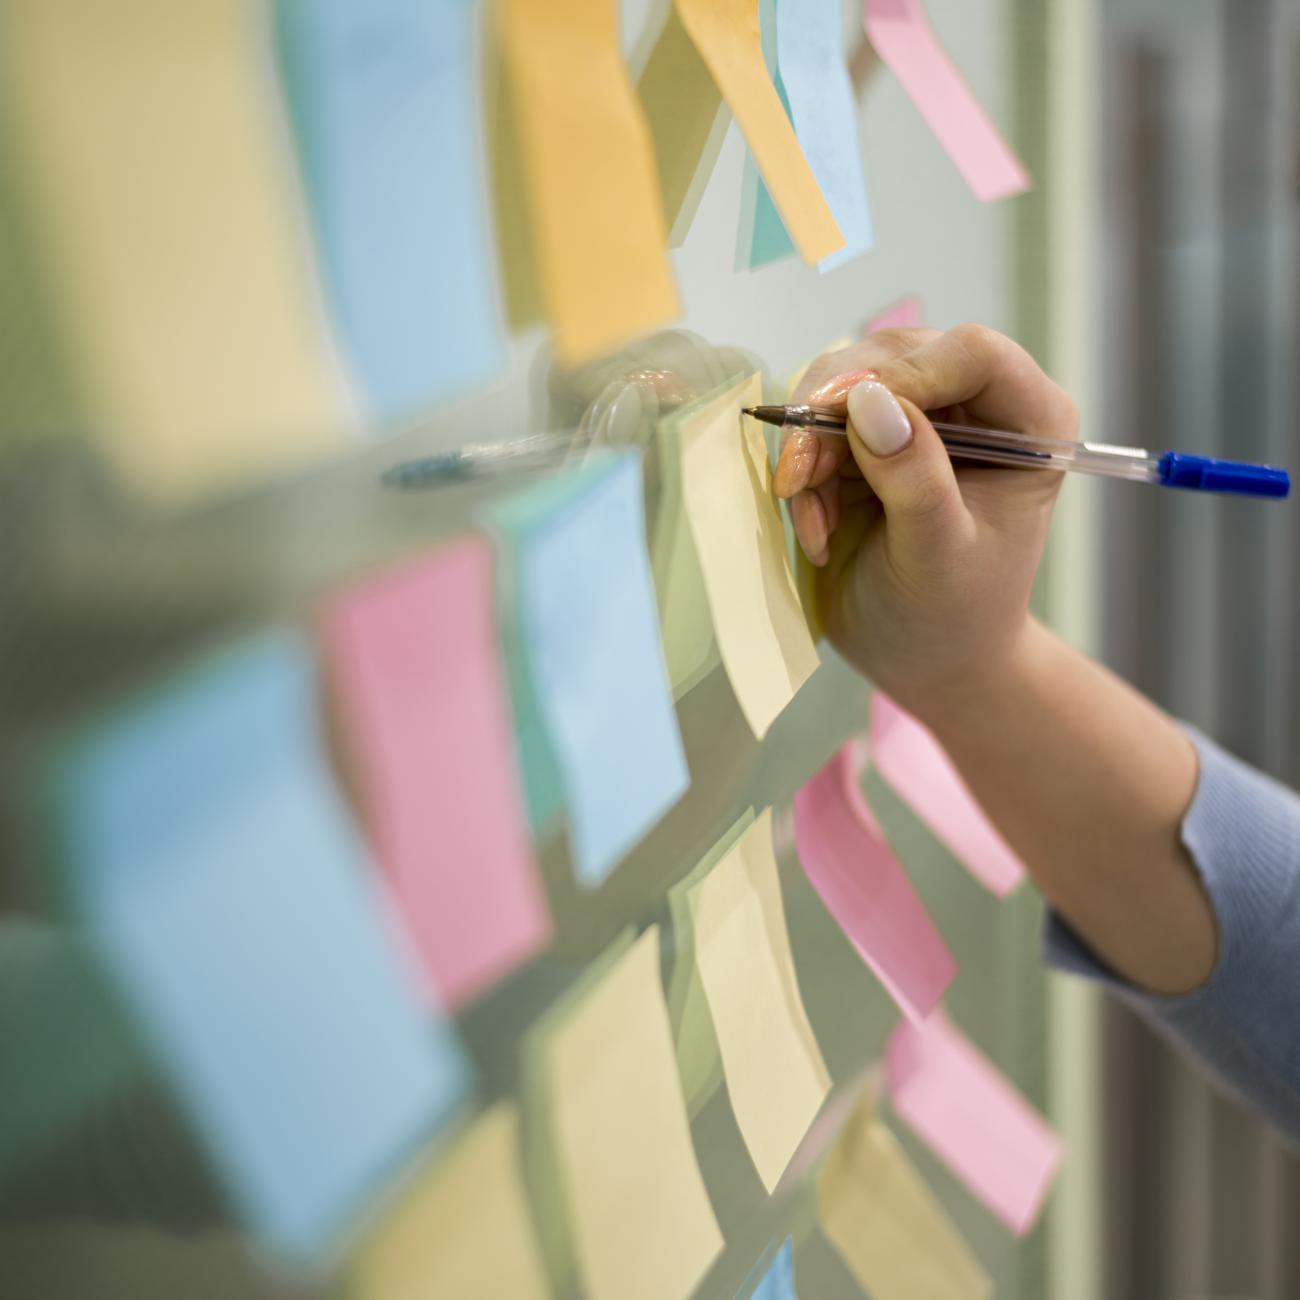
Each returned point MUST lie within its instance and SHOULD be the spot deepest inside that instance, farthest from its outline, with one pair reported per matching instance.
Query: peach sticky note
(762, 634)
(957, 1102)
(463, 1230)
(854, 871)
(906, 43)
(152, 156)
(640, 1220)
(903, 314)
(728, 37)
(420, 688)
(775, 1074)
(886, 1224)
(599, 236)
(907, 755)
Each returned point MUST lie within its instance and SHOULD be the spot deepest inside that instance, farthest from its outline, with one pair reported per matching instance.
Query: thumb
(906, 465)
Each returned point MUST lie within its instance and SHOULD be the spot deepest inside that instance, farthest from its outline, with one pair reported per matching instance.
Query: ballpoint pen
(1027, 451)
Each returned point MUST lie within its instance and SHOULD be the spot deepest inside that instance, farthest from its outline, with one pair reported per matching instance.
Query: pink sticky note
(903, 314)
(901, 34)
(965, 1111)
(419, 687)
(914, 763)
(849, 863)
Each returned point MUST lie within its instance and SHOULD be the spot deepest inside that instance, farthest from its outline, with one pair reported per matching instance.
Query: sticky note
(778, 1282)
(886, 1224)
(214, 866)
(849, 863)
(587, 606)
(181, 285)
(385, 107)
(907, 755)
(463, 1230)
(688, 123)
(599, 236)
(640, 1220)
(958, 1103)
(903, 314)
(727, 486)
(775, 1074)
(728, 37)
(419, 685)
(902, 36)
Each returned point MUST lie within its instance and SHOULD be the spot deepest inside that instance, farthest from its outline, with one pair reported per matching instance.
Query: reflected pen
(1177, 469)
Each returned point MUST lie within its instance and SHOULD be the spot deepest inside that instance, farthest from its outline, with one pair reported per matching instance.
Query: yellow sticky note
(888, 1228)
(599, 238)
(639, 1216)
(727, 486)
(727, 35)
(150, 148)
(775, 1074)
(688, 123)
(464, 1231)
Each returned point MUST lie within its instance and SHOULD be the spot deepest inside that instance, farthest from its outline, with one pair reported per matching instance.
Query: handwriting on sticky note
(182, 289)
(641, 1222)
(902, 36)
(957, 1102)
(886, 1224)
(465, 1228)
(415, 670)
(588, 609)
(728, 37)
(775, 1074)
(599, 236)
(375, 85)
(854, 871)
(778, 1282)
(215, 867)
(903, 314)
(727, 485)
(907, 755)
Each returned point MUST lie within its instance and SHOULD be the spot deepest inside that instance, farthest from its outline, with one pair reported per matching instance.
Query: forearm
(1089, 782)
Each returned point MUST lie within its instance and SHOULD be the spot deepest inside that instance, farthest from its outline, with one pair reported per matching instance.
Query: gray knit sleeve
(1243, 1025)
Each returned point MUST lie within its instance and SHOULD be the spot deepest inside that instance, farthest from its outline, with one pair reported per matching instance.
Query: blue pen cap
(1206, 474)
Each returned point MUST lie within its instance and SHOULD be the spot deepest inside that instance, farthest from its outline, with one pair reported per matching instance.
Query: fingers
(808, 460)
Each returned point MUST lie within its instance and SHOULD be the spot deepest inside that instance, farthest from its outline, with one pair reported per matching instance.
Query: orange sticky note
(599, 238)
(727, 35)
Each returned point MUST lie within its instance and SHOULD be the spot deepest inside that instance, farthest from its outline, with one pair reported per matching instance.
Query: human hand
(925, 568)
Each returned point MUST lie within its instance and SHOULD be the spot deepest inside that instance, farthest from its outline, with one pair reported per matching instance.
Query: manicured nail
(834, 390)
(878, 419)
(797, 462)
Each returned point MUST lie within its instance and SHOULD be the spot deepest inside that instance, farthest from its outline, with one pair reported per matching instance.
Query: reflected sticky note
(728, 37)
(688, 123)
(961, 1106)
(907, 755)
(903, 314)
(181, 282)
(778, 1282)
(902, 36)
(640, 1219)
(215, 867)
(385, 107)
(727, 486)
(886, 1224)
(587, 605)
(463, 1230)
(415, 672)
(775, 1074)
(855, 873)
(599, 237)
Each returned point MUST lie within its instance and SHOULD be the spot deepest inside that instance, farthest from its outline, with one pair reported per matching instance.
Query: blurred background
(1154, 269)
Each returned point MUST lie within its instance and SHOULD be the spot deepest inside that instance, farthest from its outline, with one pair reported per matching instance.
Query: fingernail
(797, 463)
(878, 419)
(833, 390)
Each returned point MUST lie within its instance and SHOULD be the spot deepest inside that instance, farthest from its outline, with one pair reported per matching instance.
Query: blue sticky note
(591, 628)
(216, 870)
(778, 1282)
(382, 97)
